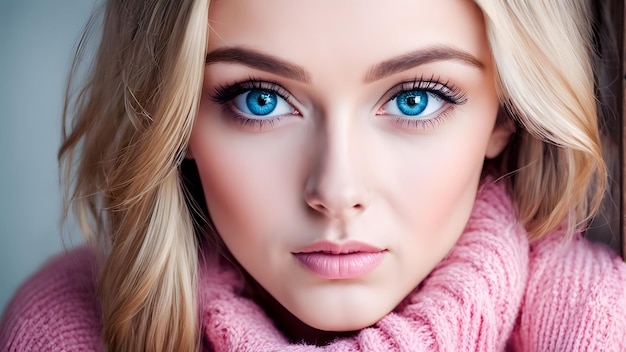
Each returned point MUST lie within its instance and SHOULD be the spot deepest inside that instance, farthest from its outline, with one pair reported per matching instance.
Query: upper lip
(339, 248)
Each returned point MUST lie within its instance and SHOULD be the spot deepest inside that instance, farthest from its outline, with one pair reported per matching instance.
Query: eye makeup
(262, 101)
(418, 103)
(410, 103)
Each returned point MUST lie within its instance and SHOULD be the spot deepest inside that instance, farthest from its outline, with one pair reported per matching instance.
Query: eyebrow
(420, 57)
(269, 63)
(255, 59)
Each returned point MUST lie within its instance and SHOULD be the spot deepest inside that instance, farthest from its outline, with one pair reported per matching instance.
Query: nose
(336, 187)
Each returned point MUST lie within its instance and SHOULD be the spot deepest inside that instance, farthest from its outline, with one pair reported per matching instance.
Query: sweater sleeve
(56, 309)
(575, 298)
(469, 302)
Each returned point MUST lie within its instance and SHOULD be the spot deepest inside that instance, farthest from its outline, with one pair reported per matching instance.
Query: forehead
(346, 30)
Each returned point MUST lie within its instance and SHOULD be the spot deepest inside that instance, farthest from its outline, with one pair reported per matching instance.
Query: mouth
(350, 260)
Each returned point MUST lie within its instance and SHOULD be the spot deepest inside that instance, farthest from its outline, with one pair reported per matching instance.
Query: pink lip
(349, 260)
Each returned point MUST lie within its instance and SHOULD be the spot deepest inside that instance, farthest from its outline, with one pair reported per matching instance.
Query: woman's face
(340, 145)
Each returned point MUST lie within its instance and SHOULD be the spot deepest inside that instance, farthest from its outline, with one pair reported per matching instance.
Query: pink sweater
(493, 292)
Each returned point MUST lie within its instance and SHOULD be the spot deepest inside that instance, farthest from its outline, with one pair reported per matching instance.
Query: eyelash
(449, 93)
(446, 91)
(224, 94)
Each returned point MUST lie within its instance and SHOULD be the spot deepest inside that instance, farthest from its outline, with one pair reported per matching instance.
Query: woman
(340, 176)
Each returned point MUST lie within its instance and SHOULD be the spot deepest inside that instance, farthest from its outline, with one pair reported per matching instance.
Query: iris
(412, 102)
(261, 102)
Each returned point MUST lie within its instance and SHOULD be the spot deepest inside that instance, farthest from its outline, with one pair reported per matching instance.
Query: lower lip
(341, 266)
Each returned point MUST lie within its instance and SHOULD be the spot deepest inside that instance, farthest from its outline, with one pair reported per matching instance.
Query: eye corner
(381, 109)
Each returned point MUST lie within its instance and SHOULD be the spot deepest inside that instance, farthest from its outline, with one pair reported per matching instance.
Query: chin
(343, 310)
(344, 326)
(345, 323)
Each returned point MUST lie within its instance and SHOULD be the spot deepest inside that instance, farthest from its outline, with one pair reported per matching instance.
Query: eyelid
(445, 91)
(224, 93)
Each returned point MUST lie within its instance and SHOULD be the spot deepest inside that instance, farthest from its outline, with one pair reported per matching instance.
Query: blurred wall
(37, 38)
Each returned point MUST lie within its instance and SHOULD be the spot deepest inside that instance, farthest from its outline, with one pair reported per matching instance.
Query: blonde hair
(132, 120)
(543, 53)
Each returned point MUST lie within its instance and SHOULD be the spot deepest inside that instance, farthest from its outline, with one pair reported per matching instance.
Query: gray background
(37, 39)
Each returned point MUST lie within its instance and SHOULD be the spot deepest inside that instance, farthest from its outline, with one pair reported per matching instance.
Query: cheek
(232, 185)
(433, 177)
(248, 184)
(435, 186)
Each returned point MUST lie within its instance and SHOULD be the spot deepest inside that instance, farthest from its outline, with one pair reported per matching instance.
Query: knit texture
(492, 292)
(575, 298)
(56, 309)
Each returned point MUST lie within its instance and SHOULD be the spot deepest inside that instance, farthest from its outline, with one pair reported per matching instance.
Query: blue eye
(412, 103)
(262, 103)
(419, 104)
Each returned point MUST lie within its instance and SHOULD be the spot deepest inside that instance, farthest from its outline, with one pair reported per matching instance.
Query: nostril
(358, 207)
(336, 210)
(316, 206)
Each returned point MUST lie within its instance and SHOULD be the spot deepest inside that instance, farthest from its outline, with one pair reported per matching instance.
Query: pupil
(262, 100)
(412, 101)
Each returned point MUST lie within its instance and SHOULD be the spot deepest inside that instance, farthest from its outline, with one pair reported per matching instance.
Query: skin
(336, 165)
